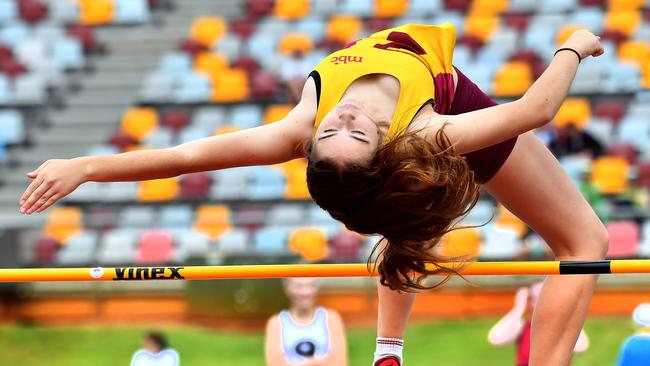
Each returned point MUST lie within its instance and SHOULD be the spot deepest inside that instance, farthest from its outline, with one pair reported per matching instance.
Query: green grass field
(433, 343)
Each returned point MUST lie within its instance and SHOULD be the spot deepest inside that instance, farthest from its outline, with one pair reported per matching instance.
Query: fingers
(35, 172)
(32, 175)
(37, 189)
(43, 202)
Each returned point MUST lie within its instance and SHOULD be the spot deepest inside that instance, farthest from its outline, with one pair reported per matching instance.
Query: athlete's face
(347, 134)
(302, 292)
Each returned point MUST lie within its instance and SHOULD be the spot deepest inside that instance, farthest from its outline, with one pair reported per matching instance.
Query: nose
(346, 116)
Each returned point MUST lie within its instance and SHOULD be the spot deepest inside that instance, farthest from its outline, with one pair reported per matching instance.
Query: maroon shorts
(484, 162)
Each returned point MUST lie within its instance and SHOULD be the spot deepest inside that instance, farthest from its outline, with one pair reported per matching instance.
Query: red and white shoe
(388, 361)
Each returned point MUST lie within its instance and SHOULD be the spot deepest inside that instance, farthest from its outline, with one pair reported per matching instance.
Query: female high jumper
(398, 142)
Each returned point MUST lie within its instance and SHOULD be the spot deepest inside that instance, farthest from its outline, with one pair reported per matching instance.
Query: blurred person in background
(514, 327)
(155, 352)
(305, 334)
(294, 71)
(635, 351)
(572, 140)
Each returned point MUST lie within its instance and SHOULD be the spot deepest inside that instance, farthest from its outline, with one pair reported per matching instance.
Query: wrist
(86, 168)
(566, 49)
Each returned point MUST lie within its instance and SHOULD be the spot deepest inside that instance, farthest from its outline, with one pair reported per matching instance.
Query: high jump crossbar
(310, 270)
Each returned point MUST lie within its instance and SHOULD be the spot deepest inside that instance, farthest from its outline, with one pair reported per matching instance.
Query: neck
(303, 315)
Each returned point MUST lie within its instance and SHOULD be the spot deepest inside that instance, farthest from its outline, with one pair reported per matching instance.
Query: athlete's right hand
(51, 181)
(586, 43)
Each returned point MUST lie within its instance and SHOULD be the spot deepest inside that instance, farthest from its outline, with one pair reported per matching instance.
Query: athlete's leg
(534, 187)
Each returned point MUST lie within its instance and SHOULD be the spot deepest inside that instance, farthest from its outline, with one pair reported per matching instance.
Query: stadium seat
(67, 53)
(345, 247)
(176, 216)
(553, 6)
(246, 115)
(209, 118)
(196, 185)
(211, 64)
(175, 119)
(234, 241)
(96, 12)
(637, 52)
(63, 222)
(30, 89)
(462, 244)
(258, 8)
(296, 173)
(480, 25)
(78, 249)
(295, 42)
(623, 5)
(155, 247)
(271, 240)
(576, 166)
(119, 191)
(131, 11)
(139, 122)
(612, 109)
(193, 133)
(592, 18)
(13, 128)
(241, 28)
(621, 78)
(192, 88)
(231, 184)
(507, 219)
(343, 28)
(390, 8)
(158, 87)
(137, 217)
(480, 214)
(634, 130)
(264, 86)
(609, 174)
(45, 250)
(574, 111)
(276, 112)
(8, 11)
(644, 246)
(625, 22)
(312, 26)
(208, 30)
(266, 183)
(175, 64)
(291, 9)
(194, 244)
(118, 247)
(212, 220)
(230, 86)
(601, 129)
(85, 35)
(160, 138)
(626, 151)
(623, 239)
(285, 214)
(512, 79)
(158, 190)
(310, 243)
(500, 243)
(100, 218)
(488, 7)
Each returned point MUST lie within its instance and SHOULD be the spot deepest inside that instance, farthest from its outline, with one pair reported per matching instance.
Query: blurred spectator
(514, 327)
(305, 334)
(594, 196)
(155, 352)
(636, 194)
(294, 72)
(546, 134)
(571, 140)
(636, 348)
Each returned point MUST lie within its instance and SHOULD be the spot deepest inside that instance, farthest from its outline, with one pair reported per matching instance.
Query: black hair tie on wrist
(569, 49)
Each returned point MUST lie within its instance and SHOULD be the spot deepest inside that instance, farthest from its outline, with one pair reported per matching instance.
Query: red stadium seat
(264, 86)
(627, 151)
(345, 247)
(474, 43)
(192, 47)
(12, 68)
(259, 8)
(612, 109)
(122, 141)
(45, 249)
(5, 53)
(248, 64)
(156, 246)
(461, 5)
(518, 21)
(623, 239)
(175, 119)
(613, 36)
(643, 170)
(377, 24)
(32, 11)
(85, 35)
(599, 3)
(243, 27)
(196, 185)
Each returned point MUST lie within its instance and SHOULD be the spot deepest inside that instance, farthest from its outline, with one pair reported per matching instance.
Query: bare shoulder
(301, 118)
(333, 316)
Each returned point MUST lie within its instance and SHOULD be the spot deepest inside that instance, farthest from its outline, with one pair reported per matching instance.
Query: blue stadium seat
(5, 90)
(521, 6)
(556, 6)
(160, 138)
(576, 166)
(454, 17)
(538, 38)
(246, 116)
(87, 192)
(30, 89)
(118, 246)
(643, 33)
(313, 26)
(193, 133)
(636, 131)
(63, 12)
(78, 249)
(482, 75)
(361, 8)
(317, 216)
(192, 88)
(425, 8)
(589, 77)
(591, 17)
(621, 78)
(67, 53)
(193, 243)
(462, 57)
(8, 11)
(119, 191)
(176, 216)
(158, 87)
(131, 11)
(324, 7)
(230, 184)
(272, 25)
(233, 241)
(176, 64)
(210, 118)
(504, 39)
(286, 214)
(14, 34)
(266, 183)
(137, 217)
(13, 129)
(271, 240)
(601, 129)
(482, 213)
(102, 150)
(230, 46)
(262, 46)
(491, 58)
(639, 109)
(499, 243)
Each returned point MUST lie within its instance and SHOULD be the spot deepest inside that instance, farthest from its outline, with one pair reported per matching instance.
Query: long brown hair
(411, 193)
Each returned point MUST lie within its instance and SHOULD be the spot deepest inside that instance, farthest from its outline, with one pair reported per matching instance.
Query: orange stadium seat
(139, 122)
(296, 173)
(208, 30)
(609, 174)
(310, 243)
(210, 64)
(619, 5)
(291, 9)
(96, 12)
(639, 53)
(491, 7)
(507, 219)
(565, 32)
(343, 28)
(480, 25)
(158, 190)
(295, 42)
(63, 222)
(463, 243)
(625, 22)
(226, 129)
(276, 112)
(576, 111)
(230, 86)
(212, 220)
(512, 79)
(390, 8)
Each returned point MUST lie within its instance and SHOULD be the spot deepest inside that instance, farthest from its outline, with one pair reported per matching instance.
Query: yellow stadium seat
(512, 79)
(480, 25)
(139, 122)
(637, 52)
(507, 219)
(390, 8)
(63, 222)
(276, 112)
(565, 33)
(488, 7)
(212, 220)
(208, 30)
(291, 9)
(310, 243)
(575, 111)
(157, 190)
(210, 64)
(226, 129)
(625, 22)
(343, 28)
(96, 12)
(609, 174)
(230, 86)
(295, 42)
(462, 243)
(296, 173)
(620, 5)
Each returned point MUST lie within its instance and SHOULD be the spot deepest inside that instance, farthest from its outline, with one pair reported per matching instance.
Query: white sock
(388, 347)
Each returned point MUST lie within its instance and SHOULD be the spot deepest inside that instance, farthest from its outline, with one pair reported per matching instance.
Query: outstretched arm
(269, 144)
(482, 128)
